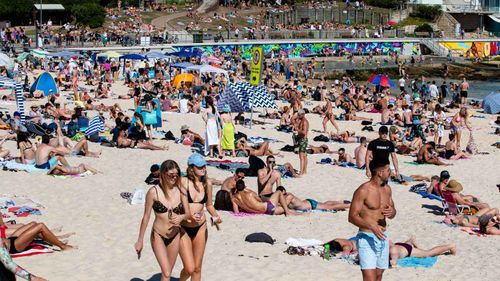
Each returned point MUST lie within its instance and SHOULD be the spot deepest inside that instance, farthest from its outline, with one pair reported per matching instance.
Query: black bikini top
(160, 208)
(190, 200)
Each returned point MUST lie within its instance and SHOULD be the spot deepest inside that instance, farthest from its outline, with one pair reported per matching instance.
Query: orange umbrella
(183, 77)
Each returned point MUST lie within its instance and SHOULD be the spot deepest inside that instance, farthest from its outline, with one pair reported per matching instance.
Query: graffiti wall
(298, 50)
(474, 49)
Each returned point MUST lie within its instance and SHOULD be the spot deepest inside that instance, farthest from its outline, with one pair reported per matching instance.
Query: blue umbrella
(491, 103)
(46, 83)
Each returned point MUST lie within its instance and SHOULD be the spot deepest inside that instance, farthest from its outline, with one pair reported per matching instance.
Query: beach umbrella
(45, 82)
(211, 59)
(65, 54)
(4, 60)
(491, 103)
(182, 64)
(39, 53)
(185, 52)
(243, 97)
(391, 22)
(22, 57)
(381, 80)
(109, 55)
(183, 77)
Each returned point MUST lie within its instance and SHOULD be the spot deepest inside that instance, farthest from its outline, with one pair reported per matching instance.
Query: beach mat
(427, 262)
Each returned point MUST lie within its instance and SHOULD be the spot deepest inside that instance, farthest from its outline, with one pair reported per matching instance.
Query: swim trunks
(270, 208)
(47, 165)
(373, 252)
(302, 145)
(314, 203)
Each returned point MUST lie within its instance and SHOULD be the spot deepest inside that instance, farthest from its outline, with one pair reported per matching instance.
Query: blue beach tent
(45, 82)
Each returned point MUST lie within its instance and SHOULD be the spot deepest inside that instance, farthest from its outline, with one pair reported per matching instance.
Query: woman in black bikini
(170, 205)
(409, 248)
(199, 194)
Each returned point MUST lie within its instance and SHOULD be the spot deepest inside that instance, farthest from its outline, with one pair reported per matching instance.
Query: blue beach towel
(417, 262)
(430, 196)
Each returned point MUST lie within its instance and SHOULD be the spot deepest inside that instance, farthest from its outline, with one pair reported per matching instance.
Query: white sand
(107, 226)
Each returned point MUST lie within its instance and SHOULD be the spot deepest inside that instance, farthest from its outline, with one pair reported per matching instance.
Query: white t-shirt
(183, 106)
(433, 90)
(402, 82)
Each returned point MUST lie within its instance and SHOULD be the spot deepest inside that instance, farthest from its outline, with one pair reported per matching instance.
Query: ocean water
(478, 89)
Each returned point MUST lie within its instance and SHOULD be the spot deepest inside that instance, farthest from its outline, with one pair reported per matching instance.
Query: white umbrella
(4, 60)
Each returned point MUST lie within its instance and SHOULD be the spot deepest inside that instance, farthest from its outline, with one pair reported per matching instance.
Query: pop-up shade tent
(18, 88)
(109, 55)
(4, 60)
(65, 54)
(182, 65)
(157, 55)
(186, 52)
(491, 103)
(132, 57)
(243, 97)
(45, 82)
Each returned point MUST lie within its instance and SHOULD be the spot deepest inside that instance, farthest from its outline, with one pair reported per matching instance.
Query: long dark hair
(22, 137)
(192, 177)
(223, 201)
(210, 102)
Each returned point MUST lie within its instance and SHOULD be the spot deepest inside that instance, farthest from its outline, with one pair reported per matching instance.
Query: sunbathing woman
(262, 150)
(345, 137)
(15, 270)
(70, 170)
(166, 231)
(124, 142)
(310, 204)
(319, 149)
(199, 196)
(26, 148)
(470, 220)
(409, 248)
(451, 149)
(489, 224)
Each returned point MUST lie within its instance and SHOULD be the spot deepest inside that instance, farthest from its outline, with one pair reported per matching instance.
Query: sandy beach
(107, 226)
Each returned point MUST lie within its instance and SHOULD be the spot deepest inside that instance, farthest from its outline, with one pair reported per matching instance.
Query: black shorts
(463, 94)
(401, 88)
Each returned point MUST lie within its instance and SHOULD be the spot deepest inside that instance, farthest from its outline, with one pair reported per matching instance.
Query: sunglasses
(271, 162)
(172, 176)
(240, 177)
(201, 168)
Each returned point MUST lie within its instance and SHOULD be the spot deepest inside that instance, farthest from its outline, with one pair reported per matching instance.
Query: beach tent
(157, 55)
(182, 65)
(183, 77)
(132, 57)
(24, 56)
(491, 103)
(4, 60)
(18, 88)
(243, 97)
(65, 54)
(39, 53)
(109, 55)
(45, 82)
(185, 52)
(207, 69)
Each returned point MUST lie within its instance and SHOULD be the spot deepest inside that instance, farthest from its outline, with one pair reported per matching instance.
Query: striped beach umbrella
(381, 80)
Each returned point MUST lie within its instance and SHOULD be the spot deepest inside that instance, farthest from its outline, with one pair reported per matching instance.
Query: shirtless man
(371, 205)
(301, 127)
(267, 177)
(229, 184)
(124, 141)
(409, 248)
(387, 115)
(425, 155)
(329, 116)
(248, 201)
(344, 157)
(310, 204)
(43, 159)
(360, 153)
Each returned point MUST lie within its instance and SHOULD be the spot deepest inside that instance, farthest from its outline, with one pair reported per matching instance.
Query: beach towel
(227, 164)
(24, 211)
(242, 214)
(302, 242)
(316, 211)
(37, 247)
(427, 262)
(259, 140)
(431, 196)
(417, 164)
(30, 168)
(64, 177)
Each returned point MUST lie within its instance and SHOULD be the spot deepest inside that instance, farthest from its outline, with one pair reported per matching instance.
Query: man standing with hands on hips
(371, 205)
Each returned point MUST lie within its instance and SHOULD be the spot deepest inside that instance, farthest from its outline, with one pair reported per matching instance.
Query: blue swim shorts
(373, 252)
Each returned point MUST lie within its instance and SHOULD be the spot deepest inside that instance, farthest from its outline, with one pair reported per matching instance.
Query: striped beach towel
(96, 125)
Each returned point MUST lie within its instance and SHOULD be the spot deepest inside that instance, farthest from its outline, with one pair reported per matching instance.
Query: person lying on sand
(124, 142)
(71, 170)
(345, 137)
(319, 149)
(248, 201)
(409, 248)
(470, 220)
(489, 224)
(261, 149)
(296, 203)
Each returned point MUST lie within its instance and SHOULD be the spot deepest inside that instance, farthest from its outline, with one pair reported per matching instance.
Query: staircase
(447, 24)
(434, 46)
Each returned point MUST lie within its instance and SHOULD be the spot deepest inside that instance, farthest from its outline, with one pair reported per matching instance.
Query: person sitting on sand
(124, 141)
(190, 137)
(360, 153)
(454, 187)
(47, 156)
(229, 184)
(308, 204)
(470, 220)
(261, 149)
(409, 248)
(426, 155)
(344, 158)
(451, 149)
(319, 149)
(489, 224)
(248, 201)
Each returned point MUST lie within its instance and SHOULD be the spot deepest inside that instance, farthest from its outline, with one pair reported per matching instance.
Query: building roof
(46, 7)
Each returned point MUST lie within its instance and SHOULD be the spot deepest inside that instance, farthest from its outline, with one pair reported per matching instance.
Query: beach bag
(260, 237)
(169, 136)
(471, 146)
(421, 187)
(150, 118)
(138, 197)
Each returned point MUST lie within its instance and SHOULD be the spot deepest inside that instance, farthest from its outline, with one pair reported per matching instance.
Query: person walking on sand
(301, 127)
(371, 204)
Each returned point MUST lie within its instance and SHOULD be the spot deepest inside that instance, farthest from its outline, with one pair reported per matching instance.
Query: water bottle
(326, 254)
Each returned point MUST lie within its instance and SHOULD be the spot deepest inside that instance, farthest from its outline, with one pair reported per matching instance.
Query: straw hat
(454, 186)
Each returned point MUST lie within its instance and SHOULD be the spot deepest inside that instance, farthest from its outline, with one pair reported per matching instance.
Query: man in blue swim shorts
(371, 205)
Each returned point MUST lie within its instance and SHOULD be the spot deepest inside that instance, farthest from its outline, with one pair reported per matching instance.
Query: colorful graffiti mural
(474, 49)
(298, 50)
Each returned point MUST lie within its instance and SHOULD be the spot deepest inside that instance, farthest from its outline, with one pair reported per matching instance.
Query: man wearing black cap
(379, 151)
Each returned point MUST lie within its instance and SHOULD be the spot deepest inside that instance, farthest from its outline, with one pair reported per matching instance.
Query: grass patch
(413, 21)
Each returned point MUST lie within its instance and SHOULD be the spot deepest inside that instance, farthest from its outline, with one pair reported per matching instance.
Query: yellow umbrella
(183, 77)
(110, 55)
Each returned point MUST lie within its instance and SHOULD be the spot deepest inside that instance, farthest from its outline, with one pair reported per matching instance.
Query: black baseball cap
(444, 175)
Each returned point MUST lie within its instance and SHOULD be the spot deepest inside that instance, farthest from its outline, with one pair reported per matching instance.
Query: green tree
(91, 14)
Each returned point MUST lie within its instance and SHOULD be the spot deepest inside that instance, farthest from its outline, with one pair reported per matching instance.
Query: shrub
(424, 28)
(90, 14)
(389, 4)
(431, 12)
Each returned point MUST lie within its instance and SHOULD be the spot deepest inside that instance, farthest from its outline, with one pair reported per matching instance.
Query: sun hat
(184, 127)
(196, 160)
(454, 186)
